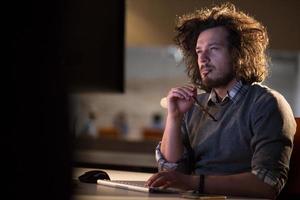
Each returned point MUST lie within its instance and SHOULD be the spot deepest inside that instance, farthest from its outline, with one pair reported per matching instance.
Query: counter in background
(116, 154)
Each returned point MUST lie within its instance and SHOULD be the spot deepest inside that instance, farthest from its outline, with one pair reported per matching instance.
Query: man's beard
(219, 81)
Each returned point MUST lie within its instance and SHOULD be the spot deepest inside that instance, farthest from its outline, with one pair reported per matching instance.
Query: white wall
(150, 73)
(285, 77)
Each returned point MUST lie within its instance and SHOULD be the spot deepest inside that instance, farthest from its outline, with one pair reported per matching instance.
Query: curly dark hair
(248, 41)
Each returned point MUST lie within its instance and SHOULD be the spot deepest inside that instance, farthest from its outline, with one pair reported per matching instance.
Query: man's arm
(242, 184)
(171, 144)
(179, 102)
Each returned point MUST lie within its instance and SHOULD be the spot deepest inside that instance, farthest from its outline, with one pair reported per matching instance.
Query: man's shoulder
(260, 88)
(265, 93)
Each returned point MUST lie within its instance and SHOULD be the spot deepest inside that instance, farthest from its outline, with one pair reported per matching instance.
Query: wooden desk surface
(88, 191)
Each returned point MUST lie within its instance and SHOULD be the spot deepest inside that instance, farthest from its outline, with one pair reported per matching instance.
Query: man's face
(214, 58)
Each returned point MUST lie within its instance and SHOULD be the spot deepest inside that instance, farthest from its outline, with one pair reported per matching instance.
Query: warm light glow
(163, 102)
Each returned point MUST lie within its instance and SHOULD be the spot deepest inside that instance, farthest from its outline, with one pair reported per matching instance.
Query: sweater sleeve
(273, 126)
(163, 164)
(186, 163)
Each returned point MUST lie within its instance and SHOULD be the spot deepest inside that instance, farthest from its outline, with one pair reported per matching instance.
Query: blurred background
(152, 65)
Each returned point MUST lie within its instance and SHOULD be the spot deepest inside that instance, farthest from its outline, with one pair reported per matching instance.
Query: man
(237, 138)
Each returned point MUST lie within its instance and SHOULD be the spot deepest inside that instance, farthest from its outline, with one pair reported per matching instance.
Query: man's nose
(204, 57)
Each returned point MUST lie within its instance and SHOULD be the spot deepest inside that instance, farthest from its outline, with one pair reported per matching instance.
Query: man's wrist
(175, 117)
(193, 182)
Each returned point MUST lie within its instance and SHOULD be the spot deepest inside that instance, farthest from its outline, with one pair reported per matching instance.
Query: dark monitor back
(38, 146)
(94, 45)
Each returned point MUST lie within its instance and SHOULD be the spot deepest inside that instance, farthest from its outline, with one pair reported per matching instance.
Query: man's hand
(180, 100)
(173, 179)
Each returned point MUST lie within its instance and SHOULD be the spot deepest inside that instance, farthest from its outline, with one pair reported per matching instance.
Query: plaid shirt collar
(233, 94)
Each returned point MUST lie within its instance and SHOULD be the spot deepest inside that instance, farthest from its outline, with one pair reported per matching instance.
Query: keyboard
(136, 186)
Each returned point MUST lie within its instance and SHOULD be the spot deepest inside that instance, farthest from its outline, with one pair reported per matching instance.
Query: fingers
(180, 100)
(161, 179)
(157, 180)
(184, 92)
(152, 179)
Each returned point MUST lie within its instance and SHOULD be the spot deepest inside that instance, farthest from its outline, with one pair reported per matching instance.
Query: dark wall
(281, 19)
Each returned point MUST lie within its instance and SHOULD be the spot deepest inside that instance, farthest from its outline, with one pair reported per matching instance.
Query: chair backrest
(292, 187)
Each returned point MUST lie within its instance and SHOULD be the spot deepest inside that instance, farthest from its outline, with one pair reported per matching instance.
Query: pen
(204, 109)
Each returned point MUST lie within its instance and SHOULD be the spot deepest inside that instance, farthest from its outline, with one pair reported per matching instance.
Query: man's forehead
(216, 35)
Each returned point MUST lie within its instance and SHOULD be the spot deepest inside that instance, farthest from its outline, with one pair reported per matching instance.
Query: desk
(88, 191)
